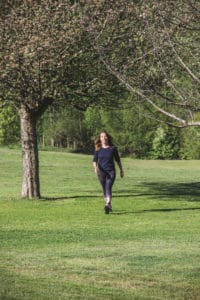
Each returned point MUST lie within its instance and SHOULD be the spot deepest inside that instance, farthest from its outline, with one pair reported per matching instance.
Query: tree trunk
(30, 182)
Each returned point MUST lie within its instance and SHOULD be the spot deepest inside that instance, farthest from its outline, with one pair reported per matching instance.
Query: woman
(104, 166)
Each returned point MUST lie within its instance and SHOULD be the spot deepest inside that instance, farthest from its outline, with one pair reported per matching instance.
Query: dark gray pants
(107, 179)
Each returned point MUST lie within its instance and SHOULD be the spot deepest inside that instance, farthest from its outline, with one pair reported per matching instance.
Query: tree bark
(30, 182)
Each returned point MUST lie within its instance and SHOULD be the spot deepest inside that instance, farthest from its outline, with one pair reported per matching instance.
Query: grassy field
(64, 246)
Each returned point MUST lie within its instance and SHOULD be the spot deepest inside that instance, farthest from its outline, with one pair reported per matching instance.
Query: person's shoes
(107, 209)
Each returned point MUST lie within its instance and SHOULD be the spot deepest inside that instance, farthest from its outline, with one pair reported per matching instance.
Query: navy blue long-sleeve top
(105, 158)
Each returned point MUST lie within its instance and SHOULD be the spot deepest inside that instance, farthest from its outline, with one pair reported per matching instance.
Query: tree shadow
(165, 210)
(163, 190)
(43, 198)
(156, 190)
(175, 189)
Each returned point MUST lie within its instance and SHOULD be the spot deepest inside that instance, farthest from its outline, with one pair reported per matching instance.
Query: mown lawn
(64, 246)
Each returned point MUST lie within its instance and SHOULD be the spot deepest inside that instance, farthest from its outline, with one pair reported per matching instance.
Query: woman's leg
(102, 179)
(107, 179)
(110, 178)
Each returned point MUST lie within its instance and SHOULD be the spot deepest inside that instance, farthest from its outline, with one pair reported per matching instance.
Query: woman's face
(104, 138)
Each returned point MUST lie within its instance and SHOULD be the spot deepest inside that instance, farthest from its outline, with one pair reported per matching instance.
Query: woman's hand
(96, 170)
(121, 173)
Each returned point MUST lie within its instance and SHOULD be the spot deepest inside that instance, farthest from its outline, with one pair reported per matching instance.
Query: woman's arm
(96, 169)
(95, 162)
(118, 160)
(121, 168)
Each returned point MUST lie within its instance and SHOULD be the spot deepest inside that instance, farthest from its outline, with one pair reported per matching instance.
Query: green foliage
(62, 127)
(166, 143)
(190, 148)
(65, 247)
(93, 121)
(132, 133)
(137, 133)
(9, 126)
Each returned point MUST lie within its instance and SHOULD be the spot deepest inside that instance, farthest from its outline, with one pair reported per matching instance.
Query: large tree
(152, 48)
(45, 59)
(38, 40)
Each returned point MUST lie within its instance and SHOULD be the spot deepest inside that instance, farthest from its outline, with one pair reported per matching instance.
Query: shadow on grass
(164, 189)
(157, 190)
(154, 210)
(43, 198)
(176, 189)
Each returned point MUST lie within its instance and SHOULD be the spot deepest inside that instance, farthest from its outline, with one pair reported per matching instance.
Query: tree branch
(178, 57)
(42, 106)
(140, 93)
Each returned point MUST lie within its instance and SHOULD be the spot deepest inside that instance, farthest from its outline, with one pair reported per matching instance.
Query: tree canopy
(152, 48)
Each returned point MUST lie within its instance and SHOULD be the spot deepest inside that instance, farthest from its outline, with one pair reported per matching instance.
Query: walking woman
(105, 155)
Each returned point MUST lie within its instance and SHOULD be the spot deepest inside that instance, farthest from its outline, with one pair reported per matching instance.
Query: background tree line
(72, 130)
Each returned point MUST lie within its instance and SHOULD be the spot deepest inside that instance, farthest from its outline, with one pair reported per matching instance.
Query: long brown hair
(97, 141)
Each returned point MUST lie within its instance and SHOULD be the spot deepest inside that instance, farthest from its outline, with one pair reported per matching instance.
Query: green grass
(64, 246)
